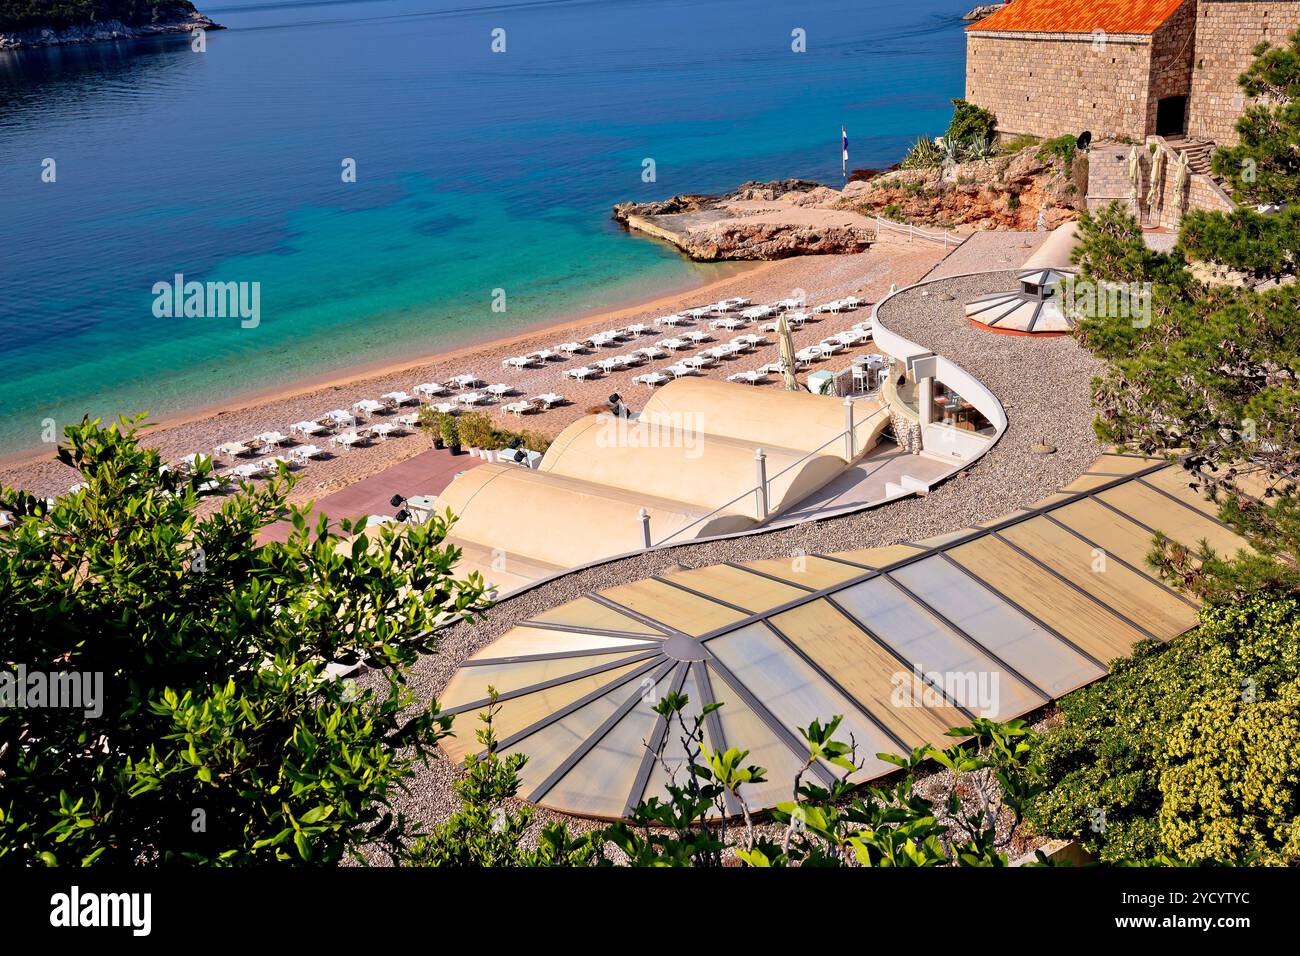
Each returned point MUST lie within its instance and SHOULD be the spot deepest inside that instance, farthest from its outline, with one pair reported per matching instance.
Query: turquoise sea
(476, 171)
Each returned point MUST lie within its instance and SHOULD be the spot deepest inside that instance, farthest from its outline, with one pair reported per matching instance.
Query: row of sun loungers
(731, 314)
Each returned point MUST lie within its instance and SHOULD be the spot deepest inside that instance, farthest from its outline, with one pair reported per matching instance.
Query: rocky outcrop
(775, 220)
(699, 202)
(1006, 192)
(773, 241)
(104, 30)
(984, 10)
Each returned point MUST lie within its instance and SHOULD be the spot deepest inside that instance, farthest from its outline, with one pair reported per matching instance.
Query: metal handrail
(758, 489)
(918, 232)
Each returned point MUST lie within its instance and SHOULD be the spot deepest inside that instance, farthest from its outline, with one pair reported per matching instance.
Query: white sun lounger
(749, 378)
(787, 304)
(307, 428)
(549, 399)
(521, 361)
(367, 406)
(340, 416)
(304, 452)
(519, 408)
(674, 345)
(382, 430)
(430, 389)
(410, 420)
(679, 370)
(230, 449)
(652, 379)
(346, 439)
(500, 389)
(637, 329)
(470, 398)
(246, 472)
(701, 313)
(544, 355)
(674, 319)
(464, 381)
(581, 372)
(759, 312)
(270, 438)
(445, 408)
(570, 348)
(650, 352)
(397, 399)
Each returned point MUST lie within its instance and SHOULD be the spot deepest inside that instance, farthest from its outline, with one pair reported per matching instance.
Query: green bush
(970, 123)
(221, 738)
(1186, 750)
(1063, 148)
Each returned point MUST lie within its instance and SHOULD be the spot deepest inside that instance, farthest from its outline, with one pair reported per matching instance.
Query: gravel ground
(1042, 383)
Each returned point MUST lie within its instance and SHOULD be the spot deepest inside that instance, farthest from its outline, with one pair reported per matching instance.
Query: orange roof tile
(1073, 16)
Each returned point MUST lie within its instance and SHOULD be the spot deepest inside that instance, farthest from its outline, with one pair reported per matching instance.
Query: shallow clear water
(476, 171)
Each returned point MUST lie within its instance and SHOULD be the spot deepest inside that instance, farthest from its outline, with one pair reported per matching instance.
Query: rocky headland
(1023, 189)
(775, 220)
(128, 20)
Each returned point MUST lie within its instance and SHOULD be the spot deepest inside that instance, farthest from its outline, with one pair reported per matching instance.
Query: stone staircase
(1199, 154)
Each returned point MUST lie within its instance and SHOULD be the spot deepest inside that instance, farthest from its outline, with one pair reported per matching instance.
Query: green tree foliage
(1212, 377)
(59, 14)
(1186, 750)
(1264, 246)
(222, 737)
(971, 123)
(1264, 167)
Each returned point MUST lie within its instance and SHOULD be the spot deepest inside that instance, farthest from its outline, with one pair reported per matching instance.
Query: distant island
(35, 23)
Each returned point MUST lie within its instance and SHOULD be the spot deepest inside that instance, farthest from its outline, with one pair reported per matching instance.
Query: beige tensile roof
(689, 454)
(999, 620)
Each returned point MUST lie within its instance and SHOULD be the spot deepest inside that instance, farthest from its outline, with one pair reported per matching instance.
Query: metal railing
(762, 489)
(916, 232)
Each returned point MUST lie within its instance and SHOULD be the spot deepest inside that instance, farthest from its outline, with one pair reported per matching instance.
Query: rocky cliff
(1005, 192)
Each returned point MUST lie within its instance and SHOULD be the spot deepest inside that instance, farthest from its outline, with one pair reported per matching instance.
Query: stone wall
(1108, 181)
(1227, 31)
(1172, 59)
(1050, 84)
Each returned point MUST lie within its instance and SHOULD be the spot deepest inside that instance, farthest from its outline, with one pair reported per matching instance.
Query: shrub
(971, 122)
(221, 738)
(476, 430)
(1187, 750)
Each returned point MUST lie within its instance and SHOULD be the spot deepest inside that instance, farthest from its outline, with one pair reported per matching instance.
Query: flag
(844, 137)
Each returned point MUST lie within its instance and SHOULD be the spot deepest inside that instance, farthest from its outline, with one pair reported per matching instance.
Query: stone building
(1121, 69)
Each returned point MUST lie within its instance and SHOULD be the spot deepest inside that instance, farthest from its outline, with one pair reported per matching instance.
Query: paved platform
(425, 474)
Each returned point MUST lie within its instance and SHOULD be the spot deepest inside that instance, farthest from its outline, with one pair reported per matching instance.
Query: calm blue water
(476, 171)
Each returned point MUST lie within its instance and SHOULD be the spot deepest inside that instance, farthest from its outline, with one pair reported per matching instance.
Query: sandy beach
(819, 278)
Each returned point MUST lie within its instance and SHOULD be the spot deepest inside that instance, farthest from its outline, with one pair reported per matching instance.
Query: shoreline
(357, 374)
(867, 275)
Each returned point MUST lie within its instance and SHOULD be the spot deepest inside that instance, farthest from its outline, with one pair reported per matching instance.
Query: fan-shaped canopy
(903, 641)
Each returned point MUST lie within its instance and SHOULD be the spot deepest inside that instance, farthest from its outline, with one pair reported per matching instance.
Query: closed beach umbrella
(1180, 182)
(786, 338)
(1135, 174)
(1157, 176)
